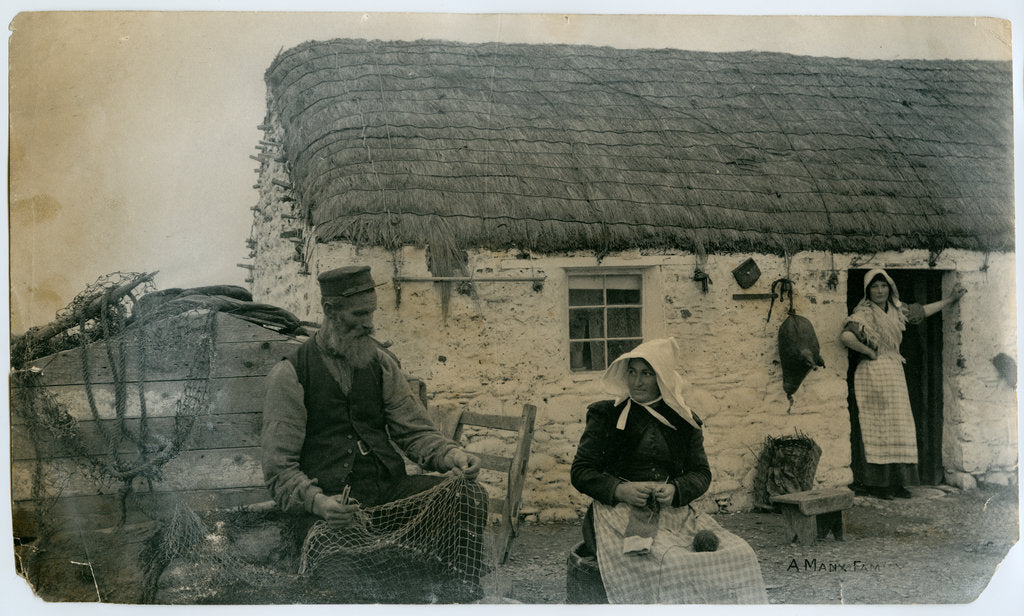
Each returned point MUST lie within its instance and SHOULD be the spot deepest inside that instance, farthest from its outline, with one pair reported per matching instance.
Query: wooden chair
(514, 467)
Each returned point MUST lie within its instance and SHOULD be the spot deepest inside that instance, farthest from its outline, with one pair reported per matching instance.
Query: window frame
(604, 272)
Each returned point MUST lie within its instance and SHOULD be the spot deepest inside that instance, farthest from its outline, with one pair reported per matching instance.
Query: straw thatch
(559, 147)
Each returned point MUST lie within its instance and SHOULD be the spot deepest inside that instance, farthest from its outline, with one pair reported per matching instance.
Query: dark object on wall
(787, 464)
(799, 352)
(746, 273)
(705, 541)
(703, 279)
(1006, 367)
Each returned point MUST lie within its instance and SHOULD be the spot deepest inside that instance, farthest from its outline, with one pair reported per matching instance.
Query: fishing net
(116, 442)
(101, 309)
(426, 548)
(208, 558)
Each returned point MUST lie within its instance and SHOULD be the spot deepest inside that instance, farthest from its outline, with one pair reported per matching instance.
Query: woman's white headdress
(663, 356)
(894, 294)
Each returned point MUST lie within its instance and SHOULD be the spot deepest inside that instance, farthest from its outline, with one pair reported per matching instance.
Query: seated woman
(641, 459)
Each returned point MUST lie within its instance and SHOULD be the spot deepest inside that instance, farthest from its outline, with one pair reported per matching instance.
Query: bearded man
(332, 411)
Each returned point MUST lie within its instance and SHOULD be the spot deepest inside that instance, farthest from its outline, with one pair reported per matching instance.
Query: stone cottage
(535, 210)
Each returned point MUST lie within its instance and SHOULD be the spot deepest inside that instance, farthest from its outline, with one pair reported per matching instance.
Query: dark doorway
(922, 348)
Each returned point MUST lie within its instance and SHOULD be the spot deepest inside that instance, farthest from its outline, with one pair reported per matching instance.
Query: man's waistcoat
(336, 424)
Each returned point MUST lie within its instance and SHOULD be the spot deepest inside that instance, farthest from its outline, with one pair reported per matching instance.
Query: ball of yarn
(705, 541)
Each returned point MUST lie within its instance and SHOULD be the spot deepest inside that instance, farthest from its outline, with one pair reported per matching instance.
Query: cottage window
(605, 318)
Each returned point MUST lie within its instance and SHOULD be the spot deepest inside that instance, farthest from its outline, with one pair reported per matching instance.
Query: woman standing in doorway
(875, 330)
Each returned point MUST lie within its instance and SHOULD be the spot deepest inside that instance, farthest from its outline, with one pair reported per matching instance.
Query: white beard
(356, 348)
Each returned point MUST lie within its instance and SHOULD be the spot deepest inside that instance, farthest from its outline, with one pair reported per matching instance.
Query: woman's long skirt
(886, 422)
(671, 571)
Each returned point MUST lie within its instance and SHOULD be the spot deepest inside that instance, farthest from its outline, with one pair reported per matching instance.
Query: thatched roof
(558, 147)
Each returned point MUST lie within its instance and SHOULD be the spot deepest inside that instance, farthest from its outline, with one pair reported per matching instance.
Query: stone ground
(942, 546)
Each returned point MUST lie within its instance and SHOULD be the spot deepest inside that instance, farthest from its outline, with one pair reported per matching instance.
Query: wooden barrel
(583, 579)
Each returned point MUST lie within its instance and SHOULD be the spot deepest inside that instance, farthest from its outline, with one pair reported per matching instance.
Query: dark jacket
(607, 456)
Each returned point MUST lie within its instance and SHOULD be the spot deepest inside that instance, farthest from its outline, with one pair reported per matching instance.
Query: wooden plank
(494, 463)
(495, 504)
(207, 469)
(208, 432)
(235, 329)
(229, 395)
(170, 356)
(93, 511)
(801, 529)
(813, 502)
(233, 359)
(498, 422)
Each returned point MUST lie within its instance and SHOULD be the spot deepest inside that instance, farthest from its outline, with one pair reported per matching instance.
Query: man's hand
(338, 515)
(463, 463)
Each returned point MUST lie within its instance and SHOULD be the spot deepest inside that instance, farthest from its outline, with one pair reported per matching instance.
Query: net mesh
(116, 444)
(118, 347)
(428, 547)
(209, 558)
(103, 308)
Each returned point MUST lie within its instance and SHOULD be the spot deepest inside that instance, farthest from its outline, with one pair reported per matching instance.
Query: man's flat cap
(345, 281)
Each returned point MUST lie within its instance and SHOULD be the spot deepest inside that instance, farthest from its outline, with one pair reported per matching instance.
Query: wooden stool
(812, 514)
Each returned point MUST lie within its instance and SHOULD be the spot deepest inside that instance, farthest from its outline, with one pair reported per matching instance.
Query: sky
(130, 133)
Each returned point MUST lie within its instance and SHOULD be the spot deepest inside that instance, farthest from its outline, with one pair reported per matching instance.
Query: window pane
(586, 356)
(586, 323)
(623, 296)
(586, 297)
(586, 282)
(618, 347)
(624, 323)
(623, 289)
(623, 281)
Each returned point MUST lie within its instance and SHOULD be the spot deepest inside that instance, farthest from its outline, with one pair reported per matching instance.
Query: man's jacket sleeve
(283, 433)
(407, 421)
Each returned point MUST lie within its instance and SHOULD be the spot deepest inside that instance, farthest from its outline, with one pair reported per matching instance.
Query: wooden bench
(811, 514)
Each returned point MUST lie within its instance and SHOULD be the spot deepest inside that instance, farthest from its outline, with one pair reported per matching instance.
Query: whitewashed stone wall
(506, 344)
(980, 412)
(278, 234)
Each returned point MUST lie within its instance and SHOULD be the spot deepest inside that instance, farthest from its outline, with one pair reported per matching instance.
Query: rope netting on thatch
(560, 147)
(786, 464)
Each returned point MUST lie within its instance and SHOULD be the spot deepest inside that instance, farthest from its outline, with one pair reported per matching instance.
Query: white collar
(621, 423)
